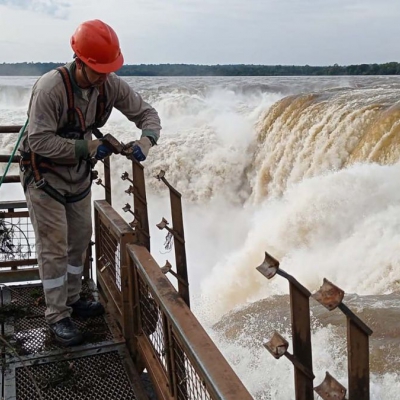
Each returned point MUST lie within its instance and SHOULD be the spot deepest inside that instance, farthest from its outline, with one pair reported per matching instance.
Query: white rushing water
(303, 167)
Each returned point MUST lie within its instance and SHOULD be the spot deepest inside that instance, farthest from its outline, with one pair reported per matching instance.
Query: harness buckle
(39, 184)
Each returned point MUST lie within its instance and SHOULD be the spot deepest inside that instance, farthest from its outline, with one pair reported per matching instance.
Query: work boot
(87, 308)
(66, 332)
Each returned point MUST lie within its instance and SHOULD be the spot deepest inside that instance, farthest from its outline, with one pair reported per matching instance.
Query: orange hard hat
(97, 45)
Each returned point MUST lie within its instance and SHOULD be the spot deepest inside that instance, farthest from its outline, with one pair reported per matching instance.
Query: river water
(305, 168)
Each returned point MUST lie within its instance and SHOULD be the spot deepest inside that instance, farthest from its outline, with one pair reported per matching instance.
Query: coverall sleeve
(43, 124)
(131, 104)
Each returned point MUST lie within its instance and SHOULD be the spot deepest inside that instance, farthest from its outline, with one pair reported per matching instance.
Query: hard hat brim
(104, 68)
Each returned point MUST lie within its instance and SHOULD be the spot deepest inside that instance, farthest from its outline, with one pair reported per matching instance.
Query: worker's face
(95, 78)
(87, 77)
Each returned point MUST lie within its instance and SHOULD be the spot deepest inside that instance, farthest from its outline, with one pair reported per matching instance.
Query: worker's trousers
(62, 236)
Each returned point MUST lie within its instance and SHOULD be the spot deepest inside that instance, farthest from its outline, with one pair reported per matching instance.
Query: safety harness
(38, 164)
(73, 111)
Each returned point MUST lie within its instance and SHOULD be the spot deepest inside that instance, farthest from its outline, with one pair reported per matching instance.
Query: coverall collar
(79, 91)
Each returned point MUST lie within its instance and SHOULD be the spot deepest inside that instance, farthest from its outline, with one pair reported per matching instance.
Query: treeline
(391, 68)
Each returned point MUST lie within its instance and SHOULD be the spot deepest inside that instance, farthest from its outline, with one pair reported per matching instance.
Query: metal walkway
(35, 367)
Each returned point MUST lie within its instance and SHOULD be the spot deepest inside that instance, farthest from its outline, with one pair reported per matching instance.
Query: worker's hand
(102, 151)
(139, 149)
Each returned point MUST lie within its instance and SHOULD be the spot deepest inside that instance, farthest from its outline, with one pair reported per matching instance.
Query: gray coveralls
(63, 232)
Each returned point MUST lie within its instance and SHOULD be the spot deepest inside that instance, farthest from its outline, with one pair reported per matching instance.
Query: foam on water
(259, 175)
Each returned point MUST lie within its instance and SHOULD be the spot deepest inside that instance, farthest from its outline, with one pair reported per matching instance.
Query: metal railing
(179, 355)
(161, 332)
(18, 254)
(330, 296)
(176, 232)
(140, 224)
(111, 236)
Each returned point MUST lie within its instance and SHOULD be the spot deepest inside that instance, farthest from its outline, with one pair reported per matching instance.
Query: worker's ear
(79, 63)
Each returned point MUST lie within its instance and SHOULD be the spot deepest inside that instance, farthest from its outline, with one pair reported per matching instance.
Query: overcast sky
(299, 32)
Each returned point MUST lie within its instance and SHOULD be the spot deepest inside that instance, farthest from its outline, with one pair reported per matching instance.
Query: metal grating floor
(26, 330)
(98, 369)
(95, 375)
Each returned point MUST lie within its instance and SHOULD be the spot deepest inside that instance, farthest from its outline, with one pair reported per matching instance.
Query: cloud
(54, 8)
(210, 31)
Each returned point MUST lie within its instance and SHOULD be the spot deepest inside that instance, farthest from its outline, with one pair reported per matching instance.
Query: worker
(67, 106)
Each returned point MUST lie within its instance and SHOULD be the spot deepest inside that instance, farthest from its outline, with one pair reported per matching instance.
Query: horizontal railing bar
(5, 158)
(14, 214)
(8, 205)
(117, 224)
(12, 179)
(23, 275)
(10, 128)
(17, 263)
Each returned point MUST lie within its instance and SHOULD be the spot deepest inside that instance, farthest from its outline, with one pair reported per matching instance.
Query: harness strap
(72, 110)
(46, 167)
(41, 183)
(35, 166)
(67, 199)
(70, 98)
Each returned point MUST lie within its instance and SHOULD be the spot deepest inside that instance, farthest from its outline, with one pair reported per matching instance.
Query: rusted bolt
(277, 345)
(130, 190)
(100, 182)
(166, 268)
(127, 208)
(269, 267)
(329, 295)
(125, 177)
(163, 224)
(134, 223)
(160, 175)
(331, 389)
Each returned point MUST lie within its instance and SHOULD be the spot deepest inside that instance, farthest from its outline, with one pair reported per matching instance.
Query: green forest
(391, 68)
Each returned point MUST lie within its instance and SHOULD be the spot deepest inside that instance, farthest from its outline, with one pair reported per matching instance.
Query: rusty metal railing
(112, 235)
(18, 254)
(330, 296)
(162, 334)
(107, 180)
(182, 360)
(141, 224)
(177, 232)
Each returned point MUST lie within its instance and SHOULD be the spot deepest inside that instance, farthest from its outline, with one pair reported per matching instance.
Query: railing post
(140, 205)
(87, 270)
(358, 361)
(107, 179)
(331, 296)
(301, 329)
(179, 239)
